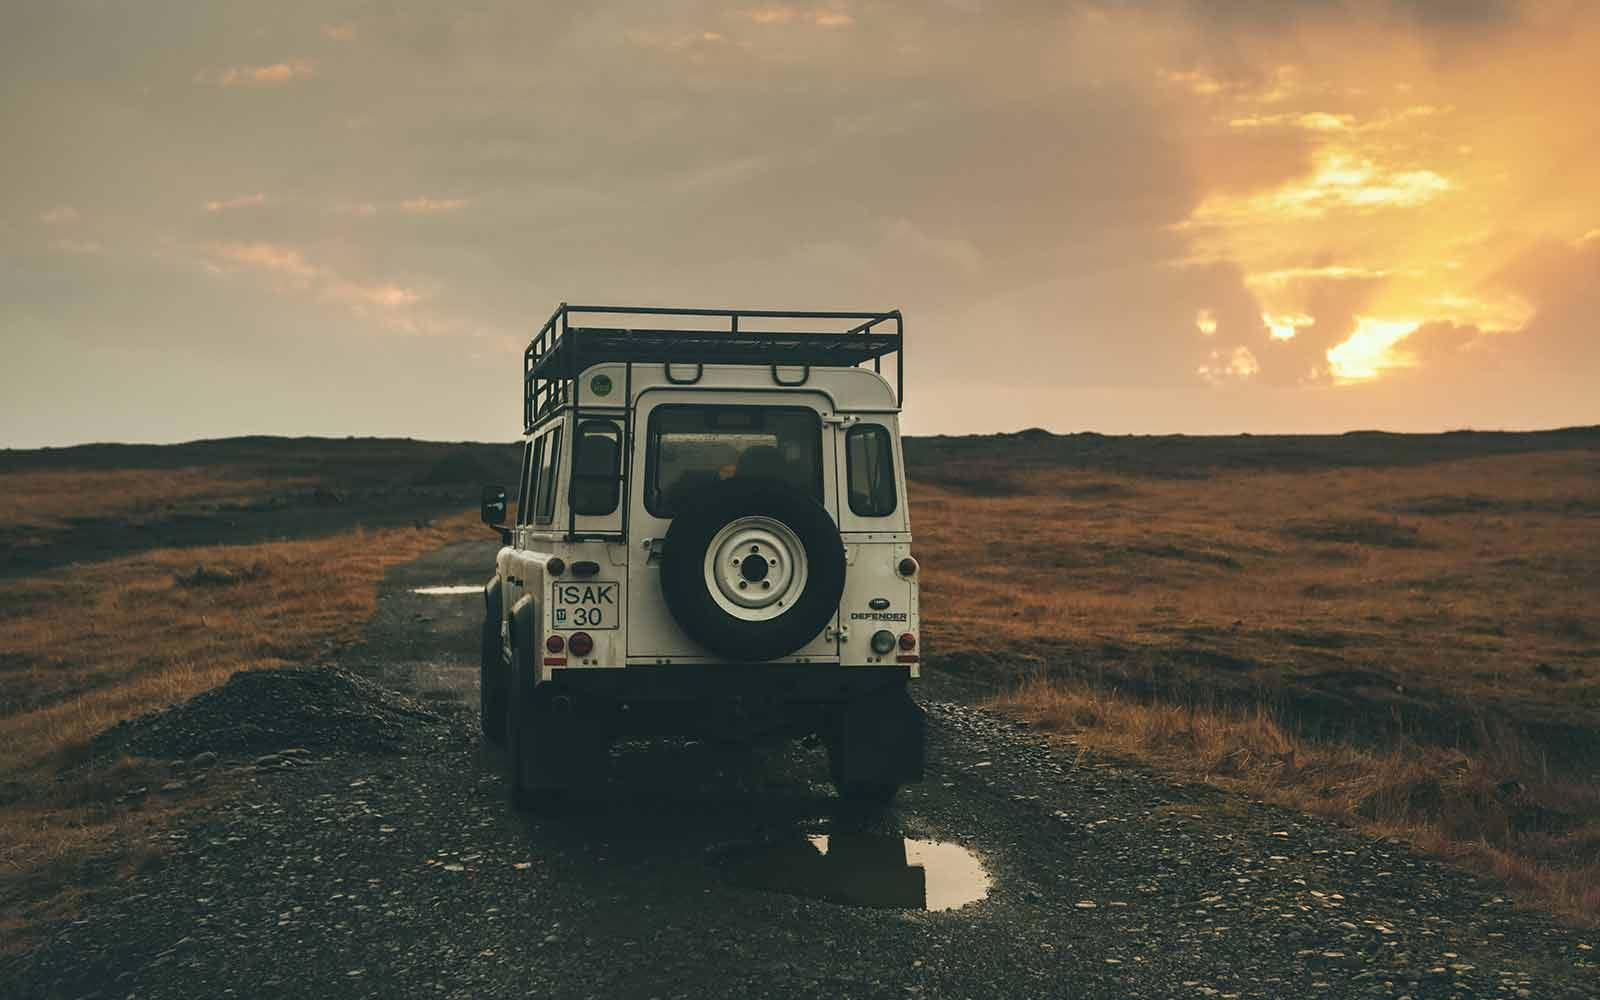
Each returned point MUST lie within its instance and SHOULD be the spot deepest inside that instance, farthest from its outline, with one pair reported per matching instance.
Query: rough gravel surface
(359, 874)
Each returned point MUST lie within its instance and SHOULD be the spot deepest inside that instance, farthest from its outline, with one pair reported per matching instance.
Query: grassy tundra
(1394, 630)
(133, 577)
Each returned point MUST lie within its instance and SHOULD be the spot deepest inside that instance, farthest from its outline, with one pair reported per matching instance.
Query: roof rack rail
(563, 349)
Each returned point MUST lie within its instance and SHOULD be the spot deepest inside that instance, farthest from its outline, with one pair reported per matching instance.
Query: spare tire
(752, 569)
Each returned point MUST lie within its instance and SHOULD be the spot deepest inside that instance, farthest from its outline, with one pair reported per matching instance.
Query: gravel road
(339, 873)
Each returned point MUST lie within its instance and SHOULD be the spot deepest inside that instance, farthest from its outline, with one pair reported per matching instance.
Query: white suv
(710, 539)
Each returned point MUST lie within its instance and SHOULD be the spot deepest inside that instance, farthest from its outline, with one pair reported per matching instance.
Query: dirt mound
(265, 711)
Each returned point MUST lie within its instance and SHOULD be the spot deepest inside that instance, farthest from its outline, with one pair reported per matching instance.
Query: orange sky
(1146, 216)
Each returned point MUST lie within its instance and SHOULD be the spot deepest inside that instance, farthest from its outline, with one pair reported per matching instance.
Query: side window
(549, 468)
(522, 481)
(596, 466)
(530, 482)
(869, 466)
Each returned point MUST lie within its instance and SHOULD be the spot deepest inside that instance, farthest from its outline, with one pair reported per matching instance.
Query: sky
(1123, 216)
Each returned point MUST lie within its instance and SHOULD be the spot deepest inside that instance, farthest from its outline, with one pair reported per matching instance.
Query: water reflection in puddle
(468, 588)
(860, 869)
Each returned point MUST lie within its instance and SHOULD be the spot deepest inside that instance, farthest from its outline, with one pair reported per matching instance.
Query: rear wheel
(867, 792)
(875, 745)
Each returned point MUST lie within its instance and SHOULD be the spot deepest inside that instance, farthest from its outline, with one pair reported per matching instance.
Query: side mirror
(492, 508)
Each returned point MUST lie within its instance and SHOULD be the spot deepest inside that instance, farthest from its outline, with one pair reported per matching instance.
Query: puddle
(860, 869)
(466, 588)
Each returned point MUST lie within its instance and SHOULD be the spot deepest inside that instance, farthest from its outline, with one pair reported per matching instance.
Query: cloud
(1284, 326)
(243, 201)
(432, 206)
(1341, 181)
(1239, 365)
(387, 296)
(60, 215)
(300, 275)
(1268, 16)
(395, 306)
(77, 247)
(1326, 272)
(1369, 350)
(1314, 121)
(1197, 82)
(273, 75)
(267, 257)
(821, 17)
(1327, 121)
(696, 43)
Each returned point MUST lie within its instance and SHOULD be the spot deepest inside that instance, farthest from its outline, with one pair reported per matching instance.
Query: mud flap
(877, 739)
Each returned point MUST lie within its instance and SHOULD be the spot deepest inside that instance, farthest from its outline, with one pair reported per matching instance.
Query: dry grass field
(40, 505)
(1395, 631)
(89, 641)
(1414, 647)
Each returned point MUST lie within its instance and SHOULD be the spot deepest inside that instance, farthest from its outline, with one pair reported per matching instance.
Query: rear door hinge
(837, 632)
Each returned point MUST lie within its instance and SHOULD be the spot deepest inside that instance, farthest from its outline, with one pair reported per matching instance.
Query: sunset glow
(1370, 348)
(1153, 215)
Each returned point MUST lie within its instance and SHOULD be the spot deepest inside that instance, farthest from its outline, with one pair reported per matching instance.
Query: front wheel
(520, 716)
(492, 672)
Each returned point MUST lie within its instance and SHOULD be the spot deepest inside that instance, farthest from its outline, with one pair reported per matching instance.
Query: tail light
(908, 566)
(581, 644)
(908, 641)
(555, 644)
(555, 566)
(882, 641)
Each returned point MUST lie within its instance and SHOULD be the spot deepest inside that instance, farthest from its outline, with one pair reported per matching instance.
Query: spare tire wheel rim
(755, 568)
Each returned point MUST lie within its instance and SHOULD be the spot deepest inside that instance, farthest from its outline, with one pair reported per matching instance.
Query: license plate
(584, 605)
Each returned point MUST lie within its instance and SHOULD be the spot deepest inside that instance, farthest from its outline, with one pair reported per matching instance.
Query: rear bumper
(810, 683)
(720, 701)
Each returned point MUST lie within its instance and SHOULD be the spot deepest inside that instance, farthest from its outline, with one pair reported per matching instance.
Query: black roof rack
(563, 349)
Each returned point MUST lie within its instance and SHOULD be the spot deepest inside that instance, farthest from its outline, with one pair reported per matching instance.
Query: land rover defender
(710, 538)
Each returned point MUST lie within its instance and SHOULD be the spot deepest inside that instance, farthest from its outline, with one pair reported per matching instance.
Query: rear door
(686, 439)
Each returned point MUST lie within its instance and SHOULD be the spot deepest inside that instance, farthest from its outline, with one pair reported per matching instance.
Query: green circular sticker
(601, 384)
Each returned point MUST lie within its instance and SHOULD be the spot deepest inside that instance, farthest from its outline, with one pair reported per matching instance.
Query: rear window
(691, 447)
(869, 467)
